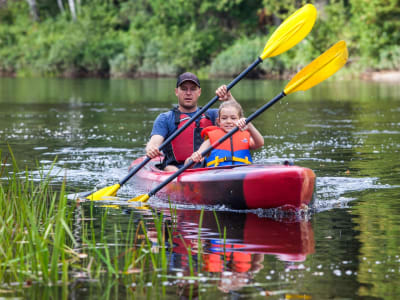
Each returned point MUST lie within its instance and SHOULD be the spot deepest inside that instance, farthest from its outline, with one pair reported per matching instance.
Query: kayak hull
(238, 187)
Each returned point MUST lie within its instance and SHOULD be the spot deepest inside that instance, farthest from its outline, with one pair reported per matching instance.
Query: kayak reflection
(229, 241)
(237, 237)
(228, 246)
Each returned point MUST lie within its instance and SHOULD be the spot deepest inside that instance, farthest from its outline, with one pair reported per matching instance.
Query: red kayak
(238, 187)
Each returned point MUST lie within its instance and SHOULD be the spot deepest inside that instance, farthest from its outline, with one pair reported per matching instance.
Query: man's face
(188, 93)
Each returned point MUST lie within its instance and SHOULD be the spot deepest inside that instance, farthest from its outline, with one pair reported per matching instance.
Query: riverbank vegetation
(162, 38)
(46, 240)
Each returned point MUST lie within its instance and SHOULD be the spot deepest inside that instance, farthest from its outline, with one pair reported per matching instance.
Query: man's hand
(152, 151)
(153, 145)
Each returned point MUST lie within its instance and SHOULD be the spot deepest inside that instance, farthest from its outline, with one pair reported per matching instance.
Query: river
(348, 132)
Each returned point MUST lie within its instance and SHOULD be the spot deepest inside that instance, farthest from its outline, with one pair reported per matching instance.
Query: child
(234, 150)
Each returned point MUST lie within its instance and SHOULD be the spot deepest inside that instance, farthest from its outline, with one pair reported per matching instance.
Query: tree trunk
(72, 9)
(60, 5)
(33, 10)
(78, 6)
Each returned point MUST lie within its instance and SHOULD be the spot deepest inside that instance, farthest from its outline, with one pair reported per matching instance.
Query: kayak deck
(238, 187)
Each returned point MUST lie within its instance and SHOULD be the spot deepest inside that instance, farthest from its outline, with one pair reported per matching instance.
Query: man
(188, 92)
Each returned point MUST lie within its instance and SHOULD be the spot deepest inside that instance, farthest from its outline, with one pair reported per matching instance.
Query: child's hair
(231, 103)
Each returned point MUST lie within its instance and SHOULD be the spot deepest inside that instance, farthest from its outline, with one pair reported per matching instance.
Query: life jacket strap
(219, 160)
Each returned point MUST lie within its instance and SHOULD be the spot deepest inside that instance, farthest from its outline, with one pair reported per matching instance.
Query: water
(345, 246)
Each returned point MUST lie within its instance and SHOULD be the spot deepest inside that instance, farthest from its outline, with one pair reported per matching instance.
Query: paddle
(318, 70)
(294, 29)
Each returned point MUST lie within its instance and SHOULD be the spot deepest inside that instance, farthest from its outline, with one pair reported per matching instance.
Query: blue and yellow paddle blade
(102, 194)
(293, 30)
(319, 69)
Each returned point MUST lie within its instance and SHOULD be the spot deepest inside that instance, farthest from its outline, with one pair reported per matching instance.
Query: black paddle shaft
(217, 143)
(190, 121)
(209, 104)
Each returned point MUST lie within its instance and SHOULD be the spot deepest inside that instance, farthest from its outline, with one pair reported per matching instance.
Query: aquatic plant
(35, 238)
(48, 240)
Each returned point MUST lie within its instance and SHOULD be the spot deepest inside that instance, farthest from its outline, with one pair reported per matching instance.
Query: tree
(376, 28)
(60, 5)
(72, 8)
(33, 10)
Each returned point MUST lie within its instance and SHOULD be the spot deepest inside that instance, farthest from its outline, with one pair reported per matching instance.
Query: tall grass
(35, 235)
(47, 240)
(44, 240)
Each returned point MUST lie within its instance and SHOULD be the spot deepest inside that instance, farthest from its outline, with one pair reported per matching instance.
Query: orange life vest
(233, 151)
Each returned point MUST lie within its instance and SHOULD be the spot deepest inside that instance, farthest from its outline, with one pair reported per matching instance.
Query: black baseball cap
(187, 77)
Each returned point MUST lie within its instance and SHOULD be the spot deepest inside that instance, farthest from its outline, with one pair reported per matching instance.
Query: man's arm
(158, 134)
(153, 145)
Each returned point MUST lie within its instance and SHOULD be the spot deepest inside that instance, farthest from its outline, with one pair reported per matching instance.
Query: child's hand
(196, 157)
(241, 123)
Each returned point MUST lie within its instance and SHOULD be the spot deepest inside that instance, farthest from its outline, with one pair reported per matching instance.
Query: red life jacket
(233, 151)
(188, 141)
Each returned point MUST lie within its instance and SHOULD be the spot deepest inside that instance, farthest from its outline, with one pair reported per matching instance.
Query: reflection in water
(231, 245)
(248, 233)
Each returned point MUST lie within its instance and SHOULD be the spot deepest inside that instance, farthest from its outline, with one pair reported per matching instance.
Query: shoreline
(382, 76)
(392, 76)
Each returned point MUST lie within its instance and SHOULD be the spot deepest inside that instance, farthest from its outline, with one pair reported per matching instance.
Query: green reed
(50, 240)
(40, 240)
(34, 228)
(199, 243)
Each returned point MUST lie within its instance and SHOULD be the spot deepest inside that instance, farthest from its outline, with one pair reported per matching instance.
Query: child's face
(228, 118)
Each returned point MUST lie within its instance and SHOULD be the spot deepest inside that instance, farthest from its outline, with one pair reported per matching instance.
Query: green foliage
(55, 47)
(375, 27)
(237, 57)
(129, 61)
(282, 8)
(389, 58)
(8, 54)
(163, 38)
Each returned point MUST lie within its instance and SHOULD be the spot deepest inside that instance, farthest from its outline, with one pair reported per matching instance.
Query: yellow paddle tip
(294, 29)
(141, 198)
(319, 69)
(102, 194)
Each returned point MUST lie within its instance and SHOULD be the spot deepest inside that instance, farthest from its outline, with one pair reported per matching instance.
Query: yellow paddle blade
(319, 69)
(112, 206)
(141, 198)
(291, 31)
(138, 206)
(104, 192)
